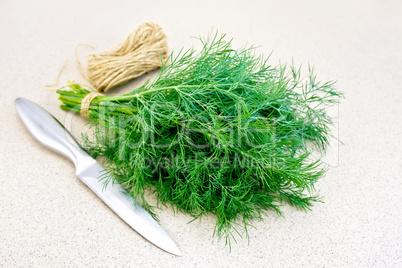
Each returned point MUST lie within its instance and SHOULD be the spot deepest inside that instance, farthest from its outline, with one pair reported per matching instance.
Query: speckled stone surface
(48, 218)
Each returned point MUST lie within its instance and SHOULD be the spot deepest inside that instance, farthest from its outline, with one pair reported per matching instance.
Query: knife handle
(49, 131)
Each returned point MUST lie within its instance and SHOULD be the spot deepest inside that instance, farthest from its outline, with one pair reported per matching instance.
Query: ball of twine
(144, 50)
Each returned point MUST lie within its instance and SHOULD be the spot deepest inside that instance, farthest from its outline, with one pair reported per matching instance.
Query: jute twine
(144, 50)
(86, 102)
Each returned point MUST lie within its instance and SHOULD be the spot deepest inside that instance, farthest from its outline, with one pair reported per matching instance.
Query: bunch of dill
(219, 131)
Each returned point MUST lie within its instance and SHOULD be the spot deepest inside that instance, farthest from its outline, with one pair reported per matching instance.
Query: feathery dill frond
(220, 131)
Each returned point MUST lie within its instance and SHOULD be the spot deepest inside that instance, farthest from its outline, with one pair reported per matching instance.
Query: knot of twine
(144, 50)
(86, 102)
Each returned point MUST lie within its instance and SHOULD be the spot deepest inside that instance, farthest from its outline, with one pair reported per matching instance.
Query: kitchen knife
(52, 134)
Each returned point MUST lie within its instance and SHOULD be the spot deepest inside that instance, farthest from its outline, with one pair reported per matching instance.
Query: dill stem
(132, 94)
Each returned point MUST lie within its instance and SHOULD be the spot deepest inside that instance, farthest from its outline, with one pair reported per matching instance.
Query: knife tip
(176, 252)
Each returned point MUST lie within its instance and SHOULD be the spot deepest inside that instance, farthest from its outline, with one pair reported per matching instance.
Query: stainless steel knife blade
(52, 134)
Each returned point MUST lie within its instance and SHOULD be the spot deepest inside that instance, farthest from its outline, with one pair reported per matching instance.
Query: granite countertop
(48, 218)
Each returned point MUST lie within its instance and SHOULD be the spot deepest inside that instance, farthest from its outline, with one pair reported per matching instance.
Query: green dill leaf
(218, 132)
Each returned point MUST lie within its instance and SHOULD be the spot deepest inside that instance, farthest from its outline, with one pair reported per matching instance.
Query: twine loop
(86, 102)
